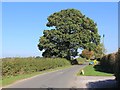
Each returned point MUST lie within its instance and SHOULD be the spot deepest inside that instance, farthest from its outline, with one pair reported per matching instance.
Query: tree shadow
(102, 84)
(103, 69)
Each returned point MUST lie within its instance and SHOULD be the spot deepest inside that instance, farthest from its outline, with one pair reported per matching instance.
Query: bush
(111, 63)
(104, 60)
(15, 66)
(117, 70)
(111, 60)
(74, 62)
(108, 62)
(87, 54)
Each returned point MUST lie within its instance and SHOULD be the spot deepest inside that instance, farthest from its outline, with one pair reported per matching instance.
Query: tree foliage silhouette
(70, 30)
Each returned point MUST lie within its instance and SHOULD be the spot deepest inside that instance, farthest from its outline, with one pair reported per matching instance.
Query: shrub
(117, 69)
(74, 62)
(87, 54)
(15, 66)
(103, 60)
(111, 63)
(111, 59)
(108, 62)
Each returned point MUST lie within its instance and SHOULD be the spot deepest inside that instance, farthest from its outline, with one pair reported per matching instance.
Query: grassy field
(9, 80)
(91, 71)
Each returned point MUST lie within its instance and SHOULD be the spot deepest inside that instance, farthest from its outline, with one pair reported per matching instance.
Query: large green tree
(70, 30)
(99, 51)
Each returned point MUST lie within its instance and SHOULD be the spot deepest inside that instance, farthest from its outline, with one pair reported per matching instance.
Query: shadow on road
(102, 84)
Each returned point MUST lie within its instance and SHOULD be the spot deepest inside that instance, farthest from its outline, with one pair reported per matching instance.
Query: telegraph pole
(103, 39)
(103, 42)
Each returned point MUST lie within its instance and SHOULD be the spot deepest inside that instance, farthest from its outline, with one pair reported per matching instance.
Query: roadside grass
(0, 82)
(10, 80)
(81, 60)
(91, 71)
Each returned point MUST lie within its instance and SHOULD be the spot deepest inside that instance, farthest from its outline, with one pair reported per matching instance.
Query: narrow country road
(57, 79)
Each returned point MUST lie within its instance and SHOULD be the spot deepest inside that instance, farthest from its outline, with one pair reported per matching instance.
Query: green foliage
(16, 66)
(108, 62)
(87, 54)
(71, 30)
(99, 51)
(117, 69)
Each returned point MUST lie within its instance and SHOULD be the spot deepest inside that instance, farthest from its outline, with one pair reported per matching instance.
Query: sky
(60, 0)
(0, 29)
(119, 25)
(23, 24)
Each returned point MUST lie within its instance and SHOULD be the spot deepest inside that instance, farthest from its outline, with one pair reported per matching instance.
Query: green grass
(0, 82)
(81, 60)
(9, 80)
(91, 71)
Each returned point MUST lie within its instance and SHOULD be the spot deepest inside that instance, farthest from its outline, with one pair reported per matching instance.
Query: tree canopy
(70, 30)
(99, 51)
(87, 54)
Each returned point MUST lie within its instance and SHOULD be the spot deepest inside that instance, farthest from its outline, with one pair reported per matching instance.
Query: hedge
(111, 63)
(16, 66)
(117, 70)
(108, 62)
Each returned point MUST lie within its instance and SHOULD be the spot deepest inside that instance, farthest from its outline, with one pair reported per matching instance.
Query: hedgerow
(108, 62)
(117, 70)
(111, 63)
(16, 66)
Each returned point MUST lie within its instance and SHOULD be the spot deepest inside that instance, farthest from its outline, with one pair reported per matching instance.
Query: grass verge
(81, 60)
(9, 80)
(91, 71)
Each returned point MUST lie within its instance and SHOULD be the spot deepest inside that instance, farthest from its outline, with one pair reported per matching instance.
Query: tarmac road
(58, 79)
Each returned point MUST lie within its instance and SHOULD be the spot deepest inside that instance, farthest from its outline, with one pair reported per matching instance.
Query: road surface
(58, 79)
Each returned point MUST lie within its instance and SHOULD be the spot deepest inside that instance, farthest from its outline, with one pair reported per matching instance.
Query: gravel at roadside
(94, 82)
